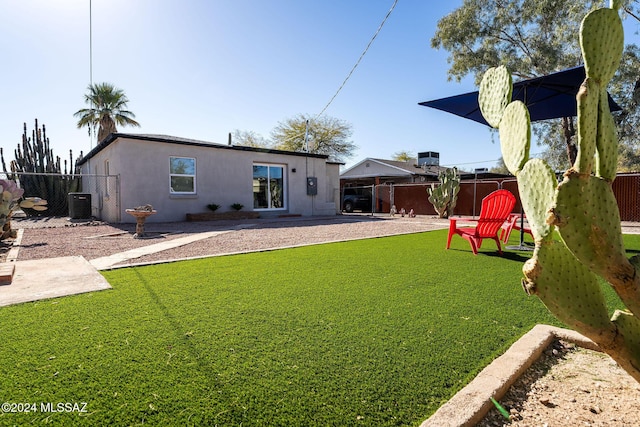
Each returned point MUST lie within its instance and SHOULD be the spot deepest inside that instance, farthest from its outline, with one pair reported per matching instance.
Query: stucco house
(425, 168)
(372, 171)
(179, 176)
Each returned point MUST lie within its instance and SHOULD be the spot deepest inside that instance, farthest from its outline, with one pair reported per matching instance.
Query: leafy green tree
(108, 107)
(626, 90)
(403, 156)
(324, 135)
(250, 139)
(632, 8)
(500, 167)
(531, 38)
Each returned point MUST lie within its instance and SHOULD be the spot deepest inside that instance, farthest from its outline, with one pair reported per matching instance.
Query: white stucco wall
(224, 176)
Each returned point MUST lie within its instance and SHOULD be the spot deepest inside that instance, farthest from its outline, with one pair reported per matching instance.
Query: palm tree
(108, 108)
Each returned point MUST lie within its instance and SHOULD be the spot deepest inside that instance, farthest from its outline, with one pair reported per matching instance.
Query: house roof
(484, 175)
(167, 139)
(389, 168)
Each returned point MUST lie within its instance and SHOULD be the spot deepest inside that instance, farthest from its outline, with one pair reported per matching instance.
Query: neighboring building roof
(484, 175)
(167, 139)
(382, 167)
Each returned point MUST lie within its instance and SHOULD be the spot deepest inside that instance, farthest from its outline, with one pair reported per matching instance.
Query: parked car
(356, 199)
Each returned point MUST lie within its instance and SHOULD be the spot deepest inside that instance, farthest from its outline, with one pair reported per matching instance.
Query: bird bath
(140, 214)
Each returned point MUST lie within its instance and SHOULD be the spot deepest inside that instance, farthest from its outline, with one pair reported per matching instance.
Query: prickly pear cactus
(495, 94)
(565, 273)
(10, 195)
(444, 197)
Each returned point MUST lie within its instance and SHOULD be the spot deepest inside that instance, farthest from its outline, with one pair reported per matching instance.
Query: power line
(532, 155)
(91, 128)
(90, 46)
(359, 59)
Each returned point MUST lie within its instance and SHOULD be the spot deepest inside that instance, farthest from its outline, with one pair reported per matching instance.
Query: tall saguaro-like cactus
(40, 173)
(444, 197)
(565, 273)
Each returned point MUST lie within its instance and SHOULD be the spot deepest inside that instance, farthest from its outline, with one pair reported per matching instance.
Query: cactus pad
(588, 219)
(515, 136)
(588, 98)
(629, 327)
(567, 288)
(536, 185)
(564, 274)
(495, 94)
(602, 43)
(606, 140)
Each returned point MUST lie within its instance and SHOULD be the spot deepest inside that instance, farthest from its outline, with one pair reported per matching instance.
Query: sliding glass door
(268, 186)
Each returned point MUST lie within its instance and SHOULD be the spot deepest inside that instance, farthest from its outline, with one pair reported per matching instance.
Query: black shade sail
(548, 97)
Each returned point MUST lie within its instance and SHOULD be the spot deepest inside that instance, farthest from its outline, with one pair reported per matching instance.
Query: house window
(182, 175)
(268, 186)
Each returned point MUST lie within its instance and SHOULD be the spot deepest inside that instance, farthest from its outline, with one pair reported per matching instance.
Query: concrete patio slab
(50, 278)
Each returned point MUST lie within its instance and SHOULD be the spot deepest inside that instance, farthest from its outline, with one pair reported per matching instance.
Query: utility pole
(91, 128)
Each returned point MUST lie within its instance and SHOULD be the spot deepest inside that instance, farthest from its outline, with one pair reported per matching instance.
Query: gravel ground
(54, 237)
(95, 239)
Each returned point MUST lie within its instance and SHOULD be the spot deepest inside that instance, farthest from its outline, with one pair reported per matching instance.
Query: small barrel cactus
(444, 197)
(565, 274)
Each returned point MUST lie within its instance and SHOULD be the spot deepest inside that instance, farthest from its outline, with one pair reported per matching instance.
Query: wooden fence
(626, 188)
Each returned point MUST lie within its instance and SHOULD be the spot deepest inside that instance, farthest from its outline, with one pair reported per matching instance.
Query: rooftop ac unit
(430, 158)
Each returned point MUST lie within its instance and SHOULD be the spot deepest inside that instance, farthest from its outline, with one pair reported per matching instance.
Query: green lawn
(373, 332)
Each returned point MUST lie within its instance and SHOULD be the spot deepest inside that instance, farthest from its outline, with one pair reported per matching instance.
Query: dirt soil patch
(570, 385)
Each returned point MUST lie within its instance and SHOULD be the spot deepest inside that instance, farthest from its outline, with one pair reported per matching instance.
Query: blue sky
(203, 68)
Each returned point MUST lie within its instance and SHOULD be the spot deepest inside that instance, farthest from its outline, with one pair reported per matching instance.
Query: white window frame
(284, 186)
(171, 175)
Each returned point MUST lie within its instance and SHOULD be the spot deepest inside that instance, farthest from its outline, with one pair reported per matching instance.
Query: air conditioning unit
(429, 158)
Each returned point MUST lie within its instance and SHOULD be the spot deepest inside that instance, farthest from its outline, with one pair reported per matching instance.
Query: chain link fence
(70, 195)
(415, 196)
(360, 199)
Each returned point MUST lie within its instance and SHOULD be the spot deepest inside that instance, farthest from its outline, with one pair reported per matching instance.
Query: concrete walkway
(111, 260)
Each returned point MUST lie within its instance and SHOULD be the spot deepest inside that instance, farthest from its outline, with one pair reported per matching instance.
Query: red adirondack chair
(513, 223)
(496, 208)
